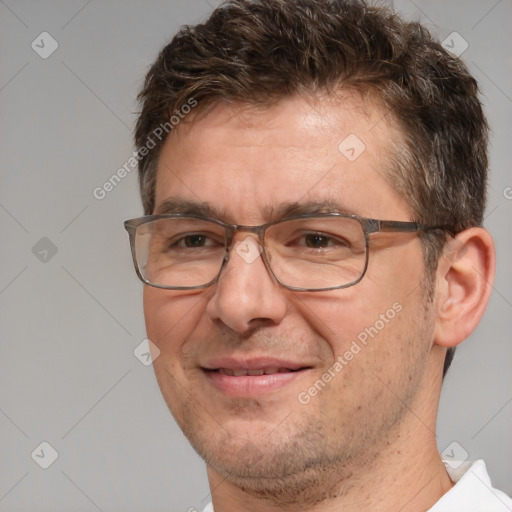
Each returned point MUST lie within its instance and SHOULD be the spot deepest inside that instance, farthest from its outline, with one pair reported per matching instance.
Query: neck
(405, 472)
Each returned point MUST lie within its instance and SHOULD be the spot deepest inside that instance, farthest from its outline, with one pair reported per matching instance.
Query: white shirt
(472, 491)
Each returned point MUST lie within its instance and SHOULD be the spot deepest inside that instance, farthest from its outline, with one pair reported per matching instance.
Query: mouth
(252, 378)
(253, 373)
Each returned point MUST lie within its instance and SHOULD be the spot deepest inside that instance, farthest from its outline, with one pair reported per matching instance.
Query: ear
(464, 279)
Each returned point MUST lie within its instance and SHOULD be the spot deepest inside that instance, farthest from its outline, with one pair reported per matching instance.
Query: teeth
(253, 373)
(256, 372)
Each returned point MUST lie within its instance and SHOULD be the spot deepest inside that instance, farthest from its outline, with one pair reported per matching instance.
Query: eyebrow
(173, 205)
(308, 207)
(177, 205)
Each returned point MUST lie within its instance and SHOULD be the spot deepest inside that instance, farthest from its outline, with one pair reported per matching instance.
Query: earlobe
(464, 281)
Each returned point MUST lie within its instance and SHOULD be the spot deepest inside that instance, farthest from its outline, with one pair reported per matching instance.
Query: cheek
(398, 269)
(368, 326)
(348, 316)
(170, 317)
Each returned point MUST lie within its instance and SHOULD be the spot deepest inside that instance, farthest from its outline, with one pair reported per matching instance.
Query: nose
(246, 295)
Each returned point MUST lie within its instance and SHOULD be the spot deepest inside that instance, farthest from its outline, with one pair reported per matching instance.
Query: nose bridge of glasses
(240, 229)
(246, 242)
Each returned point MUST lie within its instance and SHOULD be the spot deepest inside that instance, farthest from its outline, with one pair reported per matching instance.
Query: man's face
(283, 429)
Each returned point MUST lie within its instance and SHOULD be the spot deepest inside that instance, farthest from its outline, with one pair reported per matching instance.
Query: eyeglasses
(316, 252)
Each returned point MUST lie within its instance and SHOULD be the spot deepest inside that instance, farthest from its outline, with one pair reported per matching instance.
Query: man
(313, 177)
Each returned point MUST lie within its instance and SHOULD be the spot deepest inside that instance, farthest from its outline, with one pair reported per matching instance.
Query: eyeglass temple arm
(374, 226)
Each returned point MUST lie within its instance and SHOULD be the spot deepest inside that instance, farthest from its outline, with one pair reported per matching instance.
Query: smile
(251, 378)
(255, 372)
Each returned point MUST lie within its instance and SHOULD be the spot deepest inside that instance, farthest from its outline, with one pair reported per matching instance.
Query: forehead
(248, 161)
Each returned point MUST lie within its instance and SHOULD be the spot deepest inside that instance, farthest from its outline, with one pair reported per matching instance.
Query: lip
(252, 385)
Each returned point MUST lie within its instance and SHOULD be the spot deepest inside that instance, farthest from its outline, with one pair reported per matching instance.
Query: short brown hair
(259, 51)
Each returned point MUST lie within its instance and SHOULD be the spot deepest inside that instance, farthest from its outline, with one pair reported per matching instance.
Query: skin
(367, 439)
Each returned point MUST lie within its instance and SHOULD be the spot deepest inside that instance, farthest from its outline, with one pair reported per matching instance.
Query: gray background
(71, 322)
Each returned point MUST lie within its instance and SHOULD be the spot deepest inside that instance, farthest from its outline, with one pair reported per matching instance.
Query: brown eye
(194, 241)
(317, 241)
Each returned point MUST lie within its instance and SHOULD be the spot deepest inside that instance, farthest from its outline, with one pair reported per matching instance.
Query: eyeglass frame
(369, 226)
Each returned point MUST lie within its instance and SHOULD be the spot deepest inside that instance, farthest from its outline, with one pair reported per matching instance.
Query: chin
(298, 468)
(285, 481)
